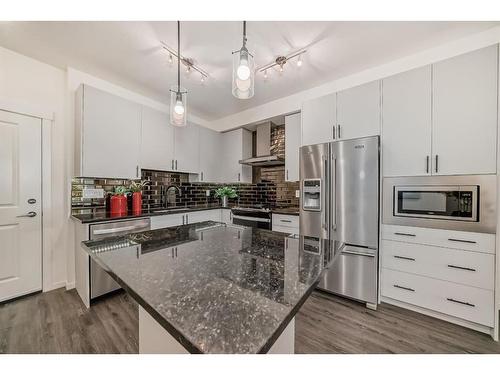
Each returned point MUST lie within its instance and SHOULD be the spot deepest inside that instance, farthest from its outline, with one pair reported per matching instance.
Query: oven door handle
(249, 218)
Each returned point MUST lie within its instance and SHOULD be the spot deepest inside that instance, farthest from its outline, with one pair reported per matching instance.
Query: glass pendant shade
(178, 106)
(243, 74)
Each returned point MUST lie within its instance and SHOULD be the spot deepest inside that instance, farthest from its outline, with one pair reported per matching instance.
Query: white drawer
(280, 228)
(465, 302)
(480, 242)
(459, 266)
(290, 221)
(204, 215)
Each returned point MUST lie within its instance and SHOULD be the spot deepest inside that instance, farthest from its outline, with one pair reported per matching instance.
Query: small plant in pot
(136, 188)
(225, 193)
(119, 201)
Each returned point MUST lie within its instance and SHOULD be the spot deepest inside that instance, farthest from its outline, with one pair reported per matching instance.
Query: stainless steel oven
(252, 217)
(446, 202)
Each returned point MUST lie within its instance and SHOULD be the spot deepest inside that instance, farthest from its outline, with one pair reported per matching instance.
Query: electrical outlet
(207, 193)
(93, 193)
(297, 193)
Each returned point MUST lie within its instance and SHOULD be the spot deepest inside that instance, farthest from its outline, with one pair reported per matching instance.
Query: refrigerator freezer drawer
(353, 274)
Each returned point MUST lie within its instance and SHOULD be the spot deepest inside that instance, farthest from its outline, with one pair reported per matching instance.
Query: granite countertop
(216, 288)
(103, 215)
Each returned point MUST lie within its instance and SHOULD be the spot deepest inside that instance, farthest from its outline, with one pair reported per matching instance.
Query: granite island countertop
(216, 288)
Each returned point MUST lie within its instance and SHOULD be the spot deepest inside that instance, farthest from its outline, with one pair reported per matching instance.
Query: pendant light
(178, 96)
(243, 70)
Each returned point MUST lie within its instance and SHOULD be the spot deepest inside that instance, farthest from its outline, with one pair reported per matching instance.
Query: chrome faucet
(165, 194)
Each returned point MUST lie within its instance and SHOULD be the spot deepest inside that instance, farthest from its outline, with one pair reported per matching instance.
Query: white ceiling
(129, 53)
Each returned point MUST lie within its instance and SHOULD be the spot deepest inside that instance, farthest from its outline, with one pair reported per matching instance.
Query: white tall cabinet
(157, 146)
(236, 145)
(319, 119)
(186, 148)
(464, 113)
(292, 144)
(406, 134)
(210, 151)
(108, 135)
(358, 111)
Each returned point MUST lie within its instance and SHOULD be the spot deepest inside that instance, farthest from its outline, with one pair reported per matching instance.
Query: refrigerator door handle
(334, 193)
(325, 210)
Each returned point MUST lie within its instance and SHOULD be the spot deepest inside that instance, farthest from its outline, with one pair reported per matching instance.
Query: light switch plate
(297, 193)
(207, 193)
(93, 193)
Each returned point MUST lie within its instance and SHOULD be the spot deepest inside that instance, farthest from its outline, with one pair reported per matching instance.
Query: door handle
(334, 194)
(405, 234)
(333, 132)
(427, 164)
(202, 176)
(137, 171)
(29, 214)
(172, 164)
(338, 131)
(176, 164)
(405, 258)
(437, 159)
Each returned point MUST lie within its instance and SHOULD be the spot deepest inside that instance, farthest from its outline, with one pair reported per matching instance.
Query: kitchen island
(214, 288)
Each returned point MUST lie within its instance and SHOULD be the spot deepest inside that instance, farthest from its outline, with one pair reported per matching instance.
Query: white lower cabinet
(205, 215)
(448, 272)
(461, 301)
(166, 221)
(226, 216)
(285, 223)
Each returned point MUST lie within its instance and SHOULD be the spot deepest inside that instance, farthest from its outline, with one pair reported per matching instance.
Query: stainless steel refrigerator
(340, 201)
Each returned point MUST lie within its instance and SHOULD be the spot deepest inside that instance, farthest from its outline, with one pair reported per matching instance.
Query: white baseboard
(69, 286)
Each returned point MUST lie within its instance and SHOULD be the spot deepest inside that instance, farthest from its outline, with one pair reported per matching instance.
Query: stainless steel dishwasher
(100, 282)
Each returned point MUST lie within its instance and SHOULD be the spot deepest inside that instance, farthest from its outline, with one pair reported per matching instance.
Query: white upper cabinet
(464, 112)
(157, 146)
(186, 148)
(406, 129)
(318, 120)
(210, 151)
(292, 144)
(358, 111)
(236, 145)
(108, 135)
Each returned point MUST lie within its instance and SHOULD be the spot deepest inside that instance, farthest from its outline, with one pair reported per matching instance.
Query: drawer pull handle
(461, 302)
(285, 221)
(405, 234)
(403, 287)
(462, 268)
(405, 258)
(464, 241)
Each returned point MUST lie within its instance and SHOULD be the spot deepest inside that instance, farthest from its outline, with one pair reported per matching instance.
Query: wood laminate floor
(58, 322)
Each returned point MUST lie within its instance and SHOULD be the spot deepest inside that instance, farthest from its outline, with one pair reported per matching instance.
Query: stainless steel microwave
(447, 202)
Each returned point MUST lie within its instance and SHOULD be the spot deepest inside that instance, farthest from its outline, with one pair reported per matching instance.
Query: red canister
(137, 202)
(118, 204)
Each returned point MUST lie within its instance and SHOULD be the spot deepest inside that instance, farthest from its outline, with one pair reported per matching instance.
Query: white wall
(293, 103)
(31, 87)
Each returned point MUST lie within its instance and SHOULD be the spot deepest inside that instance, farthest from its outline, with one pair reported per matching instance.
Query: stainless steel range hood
(263, 157)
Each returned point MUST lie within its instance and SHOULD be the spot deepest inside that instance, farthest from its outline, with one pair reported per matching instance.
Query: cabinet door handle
(427, 164)
(405, 234)
(338, 131)
(183, 219)
(403, 287)
(285, 221)
(405, 258)
(287, 174)
(333, 132)
(137, 171)
(461, 268)
(175, 164)
(172, 164)
(202, 176)
(239, 176)
(464, 241)
(461, 302)
(437, 160)
(187, 219)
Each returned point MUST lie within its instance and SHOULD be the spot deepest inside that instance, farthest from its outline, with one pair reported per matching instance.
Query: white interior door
(20, 205)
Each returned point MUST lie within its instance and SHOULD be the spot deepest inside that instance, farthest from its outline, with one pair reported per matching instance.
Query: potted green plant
(225, 193)
(136, 188)
(119, 201)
